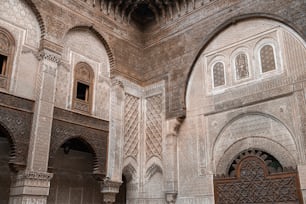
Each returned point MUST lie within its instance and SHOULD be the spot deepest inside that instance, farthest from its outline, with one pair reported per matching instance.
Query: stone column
(109, 190)
(113, 179)
(31, 186)
(171, 176)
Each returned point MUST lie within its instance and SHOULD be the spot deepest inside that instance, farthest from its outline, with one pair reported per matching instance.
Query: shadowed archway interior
(5, 173)
(73, 179)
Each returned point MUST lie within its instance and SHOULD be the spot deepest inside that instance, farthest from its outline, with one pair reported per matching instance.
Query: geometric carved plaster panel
(142, 131)
(154, 126)
(131, 126)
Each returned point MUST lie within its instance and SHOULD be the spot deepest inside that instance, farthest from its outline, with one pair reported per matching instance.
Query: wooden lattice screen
(254, 183)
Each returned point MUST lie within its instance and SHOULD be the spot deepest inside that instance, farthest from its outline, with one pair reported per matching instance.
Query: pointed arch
(89, 146)
(129, 172)
(153, 166)
(239, 116)
(286, 151)
(153, 169)
(108, 49)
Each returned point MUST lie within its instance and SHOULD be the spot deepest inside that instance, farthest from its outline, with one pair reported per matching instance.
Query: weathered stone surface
(177, 90)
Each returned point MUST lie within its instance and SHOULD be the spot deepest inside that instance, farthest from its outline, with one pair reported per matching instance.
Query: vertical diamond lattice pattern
(154, 126)
(218, 72)
(131, 132)
(267, 58)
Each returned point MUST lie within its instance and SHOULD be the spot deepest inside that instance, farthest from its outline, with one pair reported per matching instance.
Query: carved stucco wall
(143, 142)
(17, 17)
(82, 45)
(254, 130)
(261, 112)
(18, 13)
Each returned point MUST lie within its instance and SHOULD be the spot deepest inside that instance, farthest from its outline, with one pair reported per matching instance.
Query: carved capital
(171, 197)
(110, 189)
(117, 83)
(50, 56)
(34, 175)
(174, 126)
(31, 181)
(49, 45)
(109, 197)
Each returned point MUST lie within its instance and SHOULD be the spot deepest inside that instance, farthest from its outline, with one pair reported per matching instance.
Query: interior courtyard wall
(18, 18)
(189, 35)
(170, 58)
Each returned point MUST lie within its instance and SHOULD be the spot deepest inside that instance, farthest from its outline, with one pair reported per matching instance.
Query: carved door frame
(253, 182)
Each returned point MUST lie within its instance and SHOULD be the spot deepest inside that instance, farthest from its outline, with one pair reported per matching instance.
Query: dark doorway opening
(121, 196)
(73, 181)
(5, 173)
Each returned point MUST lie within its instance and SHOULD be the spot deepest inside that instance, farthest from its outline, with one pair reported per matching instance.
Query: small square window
(3, 60)
(82, 91)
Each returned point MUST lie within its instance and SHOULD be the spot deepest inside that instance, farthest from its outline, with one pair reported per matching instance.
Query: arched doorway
(5, 173)
(257, 177)
(121, 196)
(73, 181)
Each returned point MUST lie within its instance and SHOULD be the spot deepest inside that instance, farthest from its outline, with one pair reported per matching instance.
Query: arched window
(7, 44)
(267, 58)
(83, 87)
(242, 67)
(218, 74)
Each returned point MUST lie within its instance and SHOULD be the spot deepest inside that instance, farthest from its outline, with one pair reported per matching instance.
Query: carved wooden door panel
(254, 182)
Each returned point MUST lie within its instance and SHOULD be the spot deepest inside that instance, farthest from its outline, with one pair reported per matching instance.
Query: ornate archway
(73, 171)
(257, 177)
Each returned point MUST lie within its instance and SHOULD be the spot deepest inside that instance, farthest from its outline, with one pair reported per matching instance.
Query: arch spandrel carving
(259, 130)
